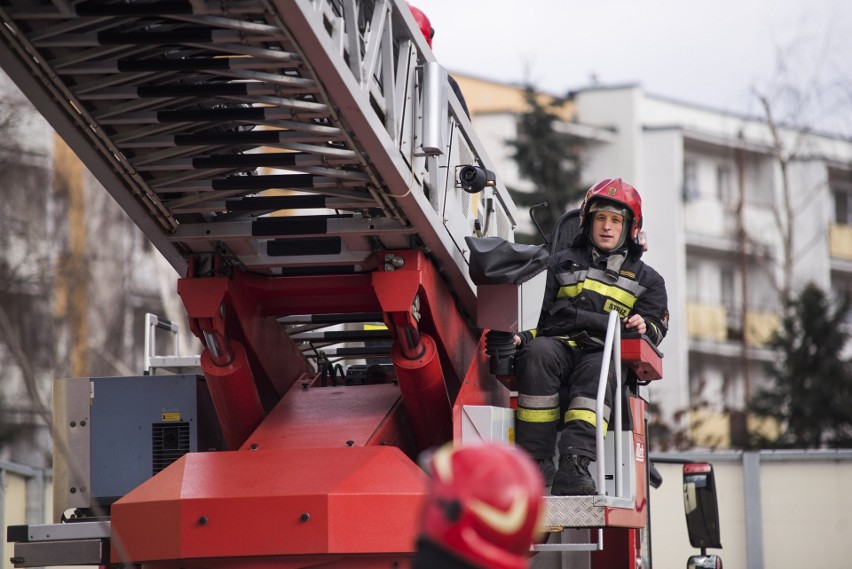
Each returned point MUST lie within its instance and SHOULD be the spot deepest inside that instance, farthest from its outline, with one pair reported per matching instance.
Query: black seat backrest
(565, 231)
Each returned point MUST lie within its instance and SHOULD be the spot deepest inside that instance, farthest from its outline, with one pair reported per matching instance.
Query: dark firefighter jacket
(581, 292)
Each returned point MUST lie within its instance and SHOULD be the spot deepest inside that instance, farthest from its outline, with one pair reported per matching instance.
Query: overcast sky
(705, 52)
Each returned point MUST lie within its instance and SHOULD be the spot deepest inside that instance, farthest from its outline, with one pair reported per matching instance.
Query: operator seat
(565, 231)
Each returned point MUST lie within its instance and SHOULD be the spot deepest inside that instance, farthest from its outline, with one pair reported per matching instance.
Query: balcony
(840, 247)
(717, 330)
(759, 327)
(706, 322)
(718, 429)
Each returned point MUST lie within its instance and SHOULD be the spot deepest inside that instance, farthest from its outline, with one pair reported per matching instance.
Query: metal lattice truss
(289, 136)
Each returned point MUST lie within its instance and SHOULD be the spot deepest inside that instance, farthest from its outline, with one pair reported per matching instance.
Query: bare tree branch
(22, 360)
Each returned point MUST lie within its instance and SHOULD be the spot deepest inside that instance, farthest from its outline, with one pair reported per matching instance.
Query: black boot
(547, 469)
(573, 478)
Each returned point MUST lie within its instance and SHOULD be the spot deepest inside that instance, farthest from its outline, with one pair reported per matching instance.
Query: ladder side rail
(612, 344)
(469, 134)
(305, 22)
(375, 134)
(459, 120)
(403, 70)
(389, 74)
(460, 131)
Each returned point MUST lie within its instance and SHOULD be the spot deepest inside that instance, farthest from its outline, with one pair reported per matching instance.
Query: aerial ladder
(305, 168)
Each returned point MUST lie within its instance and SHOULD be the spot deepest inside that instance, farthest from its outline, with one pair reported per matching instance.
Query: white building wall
(799, 525)
(659, 111)
(813, 209)
(619, 109)
(705, 213)
(806, 525)
(663, 224)
(598, 160)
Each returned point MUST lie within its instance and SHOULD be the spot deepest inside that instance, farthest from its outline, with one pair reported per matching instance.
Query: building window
(690, 180)
(842, 206)
(726, 286)
(692, 281)
(724, 188)
(840, 290)
(733, 311)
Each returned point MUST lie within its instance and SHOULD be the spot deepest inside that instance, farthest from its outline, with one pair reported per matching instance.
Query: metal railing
(154, 361)
(611, 354)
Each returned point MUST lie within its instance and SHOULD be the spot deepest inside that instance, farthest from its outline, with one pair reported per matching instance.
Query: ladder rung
(377, 351)
(339, 318)
(342, 336)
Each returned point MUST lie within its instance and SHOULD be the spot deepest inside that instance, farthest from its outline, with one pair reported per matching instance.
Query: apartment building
(713, 192)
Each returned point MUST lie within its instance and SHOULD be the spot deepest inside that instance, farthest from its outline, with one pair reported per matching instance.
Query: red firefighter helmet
(424, 24)
(622, 195)
(484, 504)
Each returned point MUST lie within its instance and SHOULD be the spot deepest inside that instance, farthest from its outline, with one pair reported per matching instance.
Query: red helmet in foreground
(616, 192)
(484, 505)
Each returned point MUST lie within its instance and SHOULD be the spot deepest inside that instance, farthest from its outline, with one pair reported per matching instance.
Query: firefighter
(559, 364)
(482, 510)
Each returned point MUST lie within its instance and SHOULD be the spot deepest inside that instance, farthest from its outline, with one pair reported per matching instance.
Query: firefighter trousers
(557, 388)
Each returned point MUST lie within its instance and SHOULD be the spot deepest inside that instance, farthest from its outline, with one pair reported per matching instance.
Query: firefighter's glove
(591, 321)
(526, 337)
(564, 319)
(560, 320)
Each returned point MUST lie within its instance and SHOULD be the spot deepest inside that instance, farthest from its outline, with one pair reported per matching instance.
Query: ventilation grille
(169, 442)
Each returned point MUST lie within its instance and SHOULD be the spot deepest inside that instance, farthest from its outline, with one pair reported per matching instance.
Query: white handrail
(152, 322)
(613, 338)
(591, 546)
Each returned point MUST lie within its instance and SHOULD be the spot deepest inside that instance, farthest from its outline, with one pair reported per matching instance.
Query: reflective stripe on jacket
(580, 295)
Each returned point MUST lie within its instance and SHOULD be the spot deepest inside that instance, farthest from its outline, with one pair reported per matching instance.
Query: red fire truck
(308, 172)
